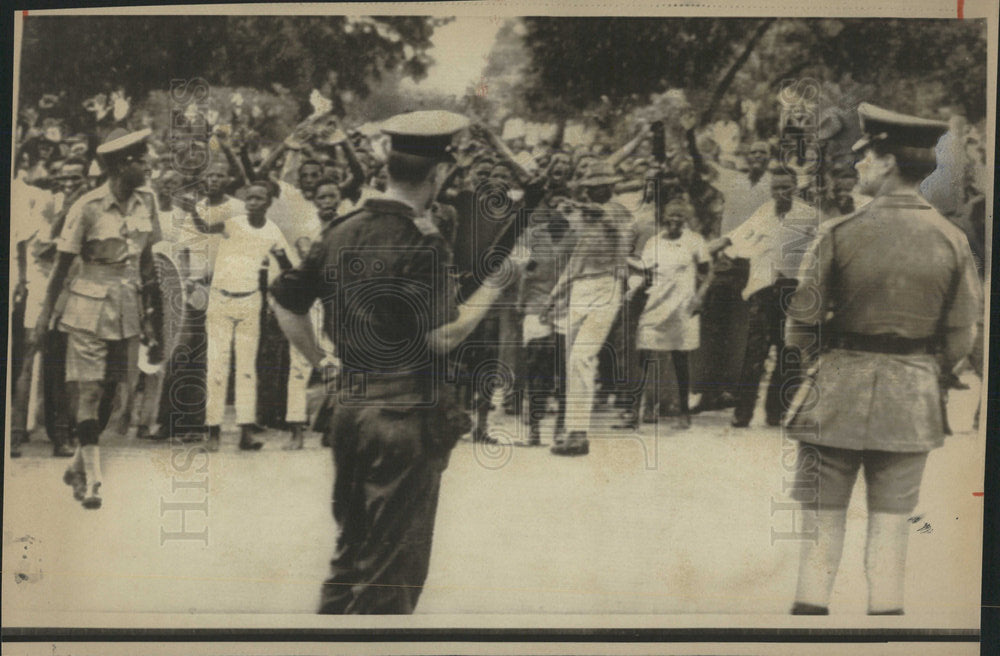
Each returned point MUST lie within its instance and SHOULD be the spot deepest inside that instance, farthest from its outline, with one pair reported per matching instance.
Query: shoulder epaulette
(831, 224)
(426, 226)
(92, 195)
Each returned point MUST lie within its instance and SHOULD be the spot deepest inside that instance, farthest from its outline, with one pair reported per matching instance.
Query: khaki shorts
(90, 358)
(825, 477)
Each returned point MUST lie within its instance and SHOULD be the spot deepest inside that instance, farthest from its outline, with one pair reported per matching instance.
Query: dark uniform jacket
(383, 277)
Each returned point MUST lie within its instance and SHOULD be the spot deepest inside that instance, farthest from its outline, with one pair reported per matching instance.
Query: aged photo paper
(476, 326)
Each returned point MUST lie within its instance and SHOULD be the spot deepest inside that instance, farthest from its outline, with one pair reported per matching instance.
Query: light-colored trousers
(233, 328)
(593, 305)
(299, 371)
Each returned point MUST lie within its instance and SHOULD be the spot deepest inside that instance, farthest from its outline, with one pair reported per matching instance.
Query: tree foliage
(76, 57)
(918, 66)
(575, 61)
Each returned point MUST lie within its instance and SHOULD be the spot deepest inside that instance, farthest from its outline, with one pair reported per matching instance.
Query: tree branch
(727, 79)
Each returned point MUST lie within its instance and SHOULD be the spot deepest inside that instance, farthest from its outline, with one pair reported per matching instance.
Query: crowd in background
(696, 310)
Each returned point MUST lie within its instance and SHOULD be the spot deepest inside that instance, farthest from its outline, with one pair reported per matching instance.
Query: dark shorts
(825, 477)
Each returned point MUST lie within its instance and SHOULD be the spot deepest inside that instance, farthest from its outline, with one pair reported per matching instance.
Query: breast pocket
(83, 305)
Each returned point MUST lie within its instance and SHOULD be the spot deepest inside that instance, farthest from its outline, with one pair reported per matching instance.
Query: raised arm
(350, 188)
(235, 165)
(446, 337)
(622, 153)
(187, 204)
(497, 143)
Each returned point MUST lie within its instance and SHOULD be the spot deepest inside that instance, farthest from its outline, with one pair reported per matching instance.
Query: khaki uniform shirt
(109, 238)
(895, 267)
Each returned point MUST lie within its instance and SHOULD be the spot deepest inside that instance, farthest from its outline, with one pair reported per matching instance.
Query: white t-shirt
(201, 247)
(243, 251)
(294, 214)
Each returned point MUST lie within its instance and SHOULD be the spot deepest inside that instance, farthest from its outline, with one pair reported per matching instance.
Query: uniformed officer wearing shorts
(102, 308)
(892, 292)
(382, 274)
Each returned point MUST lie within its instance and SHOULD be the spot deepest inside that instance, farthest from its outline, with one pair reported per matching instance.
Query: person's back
(915, 253)
(892, 293)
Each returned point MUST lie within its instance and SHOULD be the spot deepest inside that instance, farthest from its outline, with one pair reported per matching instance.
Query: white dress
(666, 323)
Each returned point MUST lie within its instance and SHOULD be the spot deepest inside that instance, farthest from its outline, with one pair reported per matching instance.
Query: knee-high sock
(885, 560)
(819, 560)
(91, 463)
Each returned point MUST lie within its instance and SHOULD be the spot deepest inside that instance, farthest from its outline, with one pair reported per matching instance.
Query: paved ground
(651, 523)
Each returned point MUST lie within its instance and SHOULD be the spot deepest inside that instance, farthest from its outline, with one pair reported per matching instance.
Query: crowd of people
(623, 309)
(445, 274)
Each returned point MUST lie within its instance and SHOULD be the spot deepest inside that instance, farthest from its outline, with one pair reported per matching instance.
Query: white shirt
(201, 247)
(294, 214)
(243, 251)
(742, 198)
(774, 245)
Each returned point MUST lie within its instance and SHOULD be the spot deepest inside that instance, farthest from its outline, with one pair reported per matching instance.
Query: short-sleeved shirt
(742, 196)
(383, 276)
(203, 247)
(896, 266)
(773, 244)
(294, 214)
(666, 323)
(602, 245)
(109, 237)
(243, 251)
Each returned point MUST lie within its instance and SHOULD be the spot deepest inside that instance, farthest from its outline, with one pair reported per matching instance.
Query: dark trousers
(560, 382)
(272, 372)
(56, 402)
(385, 499)
(664, 393)
(182, 399)
(766, 328)
(543, 376)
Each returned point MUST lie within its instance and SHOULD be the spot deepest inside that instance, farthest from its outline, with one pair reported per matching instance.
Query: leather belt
(884, 343)
(237, 294)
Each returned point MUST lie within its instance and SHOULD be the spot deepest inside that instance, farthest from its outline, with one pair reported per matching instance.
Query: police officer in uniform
(891, 293)
(382, 274)
(111, 300)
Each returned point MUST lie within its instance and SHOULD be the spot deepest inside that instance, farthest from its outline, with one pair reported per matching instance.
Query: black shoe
(247, 442)
(534, 437)
(76, 480)
(771, 421)
(62, 451)
(626, 421)
(295, 440)
(800, 608)
(325, 440)
(17, 438)
(142, 433)
(92, 500)
(480, 436)
(213, 439)
(739, 423)
(894, 611)
(576, 444)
